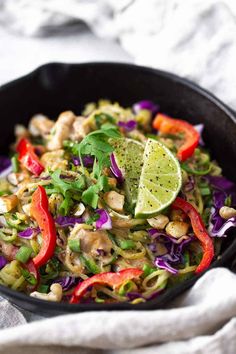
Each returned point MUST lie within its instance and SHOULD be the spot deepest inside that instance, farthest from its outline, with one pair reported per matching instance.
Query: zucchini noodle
(131, 254)
(11, 276)
(157, 280)
(111, 293)
(8, 235)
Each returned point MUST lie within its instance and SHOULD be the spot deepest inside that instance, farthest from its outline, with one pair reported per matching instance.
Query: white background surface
(21, 54)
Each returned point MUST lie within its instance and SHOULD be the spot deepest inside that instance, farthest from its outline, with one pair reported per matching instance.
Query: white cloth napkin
(195, 39)
(200, 321)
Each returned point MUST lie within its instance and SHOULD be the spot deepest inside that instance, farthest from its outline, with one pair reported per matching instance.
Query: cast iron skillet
(54, 88)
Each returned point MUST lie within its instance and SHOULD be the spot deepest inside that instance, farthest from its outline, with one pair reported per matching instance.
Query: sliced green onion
(14, 222)
(43, 288)
(205, 191)
(99, 300)
(90, 265)
(147, 270)
(15, 163)
(196, 172)
(186, 259)
(74, 245)
(30, 278)
(8, 238)
(127, 244)
(24, 253)
(126, 288)
(228, 201)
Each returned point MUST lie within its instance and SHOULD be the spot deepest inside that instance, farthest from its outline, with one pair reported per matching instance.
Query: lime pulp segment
(129, 158)
(160, 180)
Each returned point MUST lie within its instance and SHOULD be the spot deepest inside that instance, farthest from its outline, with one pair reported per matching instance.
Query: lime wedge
(160, 180)
(129, 158)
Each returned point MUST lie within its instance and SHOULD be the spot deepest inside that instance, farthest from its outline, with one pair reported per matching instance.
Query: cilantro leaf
(91, 195)
(63, 186)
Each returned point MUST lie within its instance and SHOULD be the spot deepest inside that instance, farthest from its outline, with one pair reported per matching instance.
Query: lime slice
(129, 158)
(160, 180)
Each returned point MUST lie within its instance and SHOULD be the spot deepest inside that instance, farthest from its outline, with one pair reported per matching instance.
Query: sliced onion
(115, 169)
(104, 221)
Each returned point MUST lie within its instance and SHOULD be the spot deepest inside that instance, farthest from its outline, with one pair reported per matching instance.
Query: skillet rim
(169, 294)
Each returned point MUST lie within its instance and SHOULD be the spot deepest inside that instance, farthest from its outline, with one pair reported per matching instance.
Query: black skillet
(56, 87)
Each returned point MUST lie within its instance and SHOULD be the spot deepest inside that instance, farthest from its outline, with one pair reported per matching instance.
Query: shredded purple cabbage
(146, 104)
(174, 249)
(87, 160)
(5, 162)
(221, 231)
(5, 166)
(128, 126)
(222, 189)
(161, 263)
(66, 221)
(3, 262)
(29, 233)
(104, 221)
(156, 233)
(115, 169)
(67, 282)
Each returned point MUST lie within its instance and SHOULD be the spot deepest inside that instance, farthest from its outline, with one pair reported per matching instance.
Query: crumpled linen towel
(204, 318)
(195, 39)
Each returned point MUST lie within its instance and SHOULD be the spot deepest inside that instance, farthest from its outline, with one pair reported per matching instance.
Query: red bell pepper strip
(40, 212)
(169, 125)
(199, 231)
(111, 279)
(28, 158)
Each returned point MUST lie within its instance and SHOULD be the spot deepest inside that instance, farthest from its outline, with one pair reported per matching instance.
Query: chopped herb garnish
(30, 278)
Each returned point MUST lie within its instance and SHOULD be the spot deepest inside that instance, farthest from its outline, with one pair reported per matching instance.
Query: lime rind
(160, 180)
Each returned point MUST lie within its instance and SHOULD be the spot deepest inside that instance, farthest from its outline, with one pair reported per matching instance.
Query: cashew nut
(7, 203)
(79, 210)
(55, 293)
(159, 222)
(114, 200)
(227, 212)
(177, 228)
(40, 125)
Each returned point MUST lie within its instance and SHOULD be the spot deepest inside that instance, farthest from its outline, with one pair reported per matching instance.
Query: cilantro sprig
(97, 144)
(94, 144)
(68, 189)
